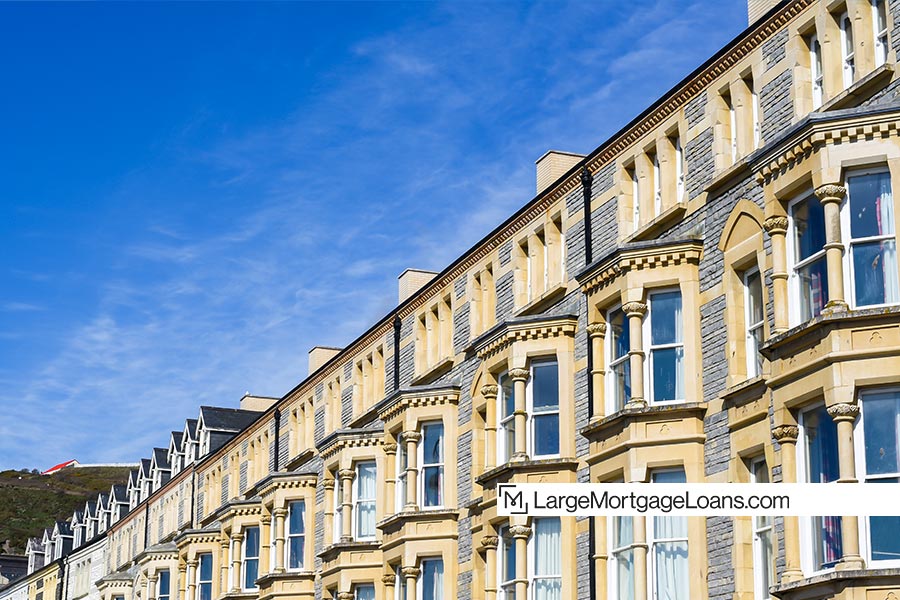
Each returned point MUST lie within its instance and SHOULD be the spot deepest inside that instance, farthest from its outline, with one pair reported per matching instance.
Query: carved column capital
(785, 433)
(412, 436)
(490, 542)
(520, 531)
(345, 595)
(489, 391)
(347, 474)
(519, 374)
(193, 562)
(843, 411)
(390, 448)
(830, 192)
(411, 572)
(632, 309)
(265, 519)
(389, 579)
(281, 512)
(776, 224)
(328, 484)
(238, 536)
(596, 329)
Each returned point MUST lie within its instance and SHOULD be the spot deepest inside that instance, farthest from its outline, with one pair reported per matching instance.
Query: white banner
(699, 499)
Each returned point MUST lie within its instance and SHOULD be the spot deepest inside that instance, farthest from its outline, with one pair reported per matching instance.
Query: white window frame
(859, 444)
(506, 588)
(754, 109)
(359, 586)
(422, 466)
(245, 557)
(848, 57)
(882, 43)
(761, 587)
(652, 539)
(635, 198)
(531, 414)
(646, 329)
(505, 424)
(399, 583)
(793, 265)
(817, 72)
(657, 186)
(290, 535)
(848, 241)
(337, 521)
(402, 463)
(732, 127)
(613, 584)
(199, 577)
(159, 584)
(754, 369)
(613, 362)
(358, 501)
(420, 580)
(679, 169)
(806, 523)
(531, 555)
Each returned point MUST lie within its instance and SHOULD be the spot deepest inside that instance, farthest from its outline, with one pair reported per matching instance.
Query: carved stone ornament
(489, 391)
(520, 374)
(596, 329)
(237, 536)
(345, 596)
(785, 433)
(635, 308)
(520, 531)
(843, 411)
(490, 541)
(830, 191)
(346, 473)
(411, 572)
(390, 448)
(412, 436)
(389, 579)
(328, 484)
(776, 225)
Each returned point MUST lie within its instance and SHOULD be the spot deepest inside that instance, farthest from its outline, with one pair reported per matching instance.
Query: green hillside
(29, 503)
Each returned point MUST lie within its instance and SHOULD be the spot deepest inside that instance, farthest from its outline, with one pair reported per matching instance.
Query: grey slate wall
(776, 105)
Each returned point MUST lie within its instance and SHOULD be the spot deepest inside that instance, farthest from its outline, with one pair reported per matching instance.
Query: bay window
(667, 542)
(506, 398)
(296, 534)
(431, 461)
(763, 554)
(546, 559)
(431, 579)
(810, 272)
(754, 317)
(204, 576)
(665, 328)
(365, 500)
(250, 566)
(868, 219)
(880, 443)
(847, 50)
(542, 394)
(820, 465)
(619, 363)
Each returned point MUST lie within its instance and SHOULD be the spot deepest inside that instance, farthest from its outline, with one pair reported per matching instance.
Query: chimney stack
(319, 355)
(553, 165)
(757, 8)
(413, 280)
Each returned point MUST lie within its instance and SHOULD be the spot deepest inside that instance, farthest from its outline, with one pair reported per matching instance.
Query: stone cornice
(527, 329)
(342, 439)
(635, 258)
(283, 481)
(412, 398)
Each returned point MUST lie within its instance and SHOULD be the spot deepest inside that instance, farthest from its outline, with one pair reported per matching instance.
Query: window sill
(395, 521)
(826, 582)
(648, 413)
(505, 471)
(663, 221)
(433, 372)
(330, 552)
(551, 296)
(860, 90)
(288, 574)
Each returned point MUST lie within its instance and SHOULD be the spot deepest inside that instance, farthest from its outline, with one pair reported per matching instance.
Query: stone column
(280, 514)
(776, 227)
(844, 416)
(635, 312)
(411, 439)
(489, 544)
(390, 469)
(519, 377)
(182, 580)
(520, 534)
(490, 425)
(830, 195)
(191, 580)
(596, 332)
(152, 580)
(389, 581)
(224, 583)
(236, 539)
(411, 574)
(328, 521)
(347, 476)
(786, 435)
(640, 555)
(265, 541)
(600, 556)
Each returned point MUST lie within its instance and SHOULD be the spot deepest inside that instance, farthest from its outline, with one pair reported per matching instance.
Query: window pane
(885, 533)
(668, 377)
(251, 543)
(433, 477)
(366, 519)
(365, 478)
(809, 227)
(875, 272)
(251, 571)
(813, 284)
(671, 560)
(625, 574)
(510, 437)
(206, 567)
(164, 583)
(506, 393)
(871, 205)
(621, 374)
(546, 434)
(296, 519)
(295, 552)
(433, 435)
(821, 446)
(623, 531)
(545, 386)
(509, 559)
(880, 432)
(432, 579)
(767, 573)
(665, 315)
(754, 298)
(618, 327)
(206, 591)
(548, 546)
(365, 592)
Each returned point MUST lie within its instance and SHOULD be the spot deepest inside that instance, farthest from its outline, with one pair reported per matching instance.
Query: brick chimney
(413, 280)
(757, 8)
(319, 355)
(553, 165)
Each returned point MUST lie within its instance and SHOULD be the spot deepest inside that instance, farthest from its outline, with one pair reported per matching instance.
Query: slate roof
(119, 493)
(190, 425)
(227, 419)
(176, 439)
(161, 458)
(145, 468)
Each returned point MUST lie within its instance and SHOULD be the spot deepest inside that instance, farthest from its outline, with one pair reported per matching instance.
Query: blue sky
(193, 195)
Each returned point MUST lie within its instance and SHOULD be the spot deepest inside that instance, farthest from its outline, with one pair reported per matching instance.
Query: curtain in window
(366, 495)
(548, 559)
(432, 579)
(623, 537)
(873, 247)
(889, 247)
